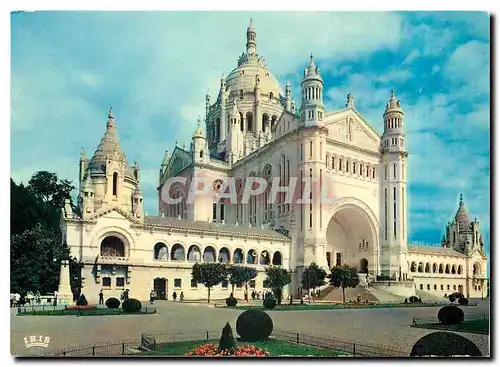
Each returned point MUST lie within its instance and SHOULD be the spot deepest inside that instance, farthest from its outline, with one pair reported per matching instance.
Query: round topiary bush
(269, 303)
(413, 299)
(131, 305)
(444, 344)
(451, 298)
(463, 301)
(231, 301)
(254, 325)
(112, 302)
(82, 301)
(450, 315)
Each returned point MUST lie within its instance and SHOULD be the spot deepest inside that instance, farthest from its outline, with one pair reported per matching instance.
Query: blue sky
(154, 68)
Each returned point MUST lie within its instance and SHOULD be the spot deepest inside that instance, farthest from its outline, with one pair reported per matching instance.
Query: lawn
(88, 312)
(318, 306)
(477, 326)
(274, 347)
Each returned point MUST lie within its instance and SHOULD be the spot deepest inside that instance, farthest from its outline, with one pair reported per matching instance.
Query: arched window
(413, 267)
(201, 153)
(476, 269)
(434, 268)
(447, 269)
(209, 254)
(194, 253)
(363, 266)
(161, 251)
(249, 118)
(274, 118)
(453, 269)
(112, 246)
(427, 268)
(277, 258)
(238, 256)
(115, 183)
(420, 267)
(460, 269)
(224, 256)
(265, 122)
(178, 253)
(265, 258)
(252, 257)
(271, 96)
(441, 269)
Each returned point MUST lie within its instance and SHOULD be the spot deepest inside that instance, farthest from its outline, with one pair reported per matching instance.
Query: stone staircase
(332, 294)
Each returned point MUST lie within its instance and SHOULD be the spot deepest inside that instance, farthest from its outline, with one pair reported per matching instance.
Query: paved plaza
(388, 327)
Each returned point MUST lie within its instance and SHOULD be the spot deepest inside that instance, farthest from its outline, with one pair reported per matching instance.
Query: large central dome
(250, 67)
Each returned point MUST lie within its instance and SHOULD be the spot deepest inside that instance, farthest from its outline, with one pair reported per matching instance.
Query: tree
(344, 277)
(36, 238)
(241, 275)
(277, 278)
(31, 262)
(50, 189)
(313, 276)
(209, 274)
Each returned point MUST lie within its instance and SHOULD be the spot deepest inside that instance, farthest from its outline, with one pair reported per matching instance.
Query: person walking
(174, 296)
(246, 296)
(101, 298)
(126, 294)
(182, 297)
(152, 296)
(122, 295)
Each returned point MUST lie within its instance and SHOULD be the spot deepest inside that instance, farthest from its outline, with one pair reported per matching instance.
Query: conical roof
(394, 104)
(462, 218)
(109, 147)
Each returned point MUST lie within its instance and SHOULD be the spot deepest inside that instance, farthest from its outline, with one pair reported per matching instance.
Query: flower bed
(241, 351)
(87, 307)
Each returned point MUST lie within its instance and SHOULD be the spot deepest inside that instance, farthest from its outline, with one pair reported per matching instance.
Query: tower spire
(251, 39)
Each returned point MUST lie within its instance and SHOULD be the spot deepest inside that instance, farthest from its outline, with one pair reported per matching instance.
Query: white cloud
(414, 54)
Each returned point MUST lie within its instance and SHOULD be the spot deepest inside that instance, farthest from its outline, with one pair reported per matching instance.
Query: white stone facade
(254, 130)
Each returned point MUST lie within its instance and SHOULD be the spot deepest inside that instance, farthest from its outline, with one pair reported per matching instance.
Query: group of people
(153, 295)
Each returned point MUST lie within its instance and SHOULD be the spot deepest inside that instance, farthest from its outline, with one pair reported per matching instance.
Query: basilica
(252, 128)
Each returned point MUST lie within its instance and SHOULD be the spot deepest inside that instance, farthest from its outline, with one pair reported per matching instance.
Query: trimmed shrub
(463, 301)
(269, 303)
(254, 325)
(444, 344)
(450, 315)
(131, 305)
(227, 341)
(112, 302)
(231, 301)
(82, 301)
(413, 299)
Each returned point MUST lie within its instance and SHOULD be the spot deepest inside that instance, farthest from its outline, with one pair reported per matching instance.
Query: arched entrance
(160, 285)
(363, 266)
(351, 239)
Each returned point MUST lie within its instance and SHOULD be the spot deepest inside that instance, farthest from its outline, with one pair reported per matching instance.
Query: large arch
(350, 223)
(434, 268)
(112, 246)
(161, 251)
(427, 267)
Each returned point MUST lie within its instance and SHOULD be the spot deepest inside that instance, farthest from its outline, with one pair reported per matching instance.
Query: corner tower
(393, 192)
(312, 110)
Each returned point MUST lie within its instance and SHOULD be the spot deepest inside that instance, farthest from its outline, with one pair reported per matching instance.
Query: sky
(154, 68)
